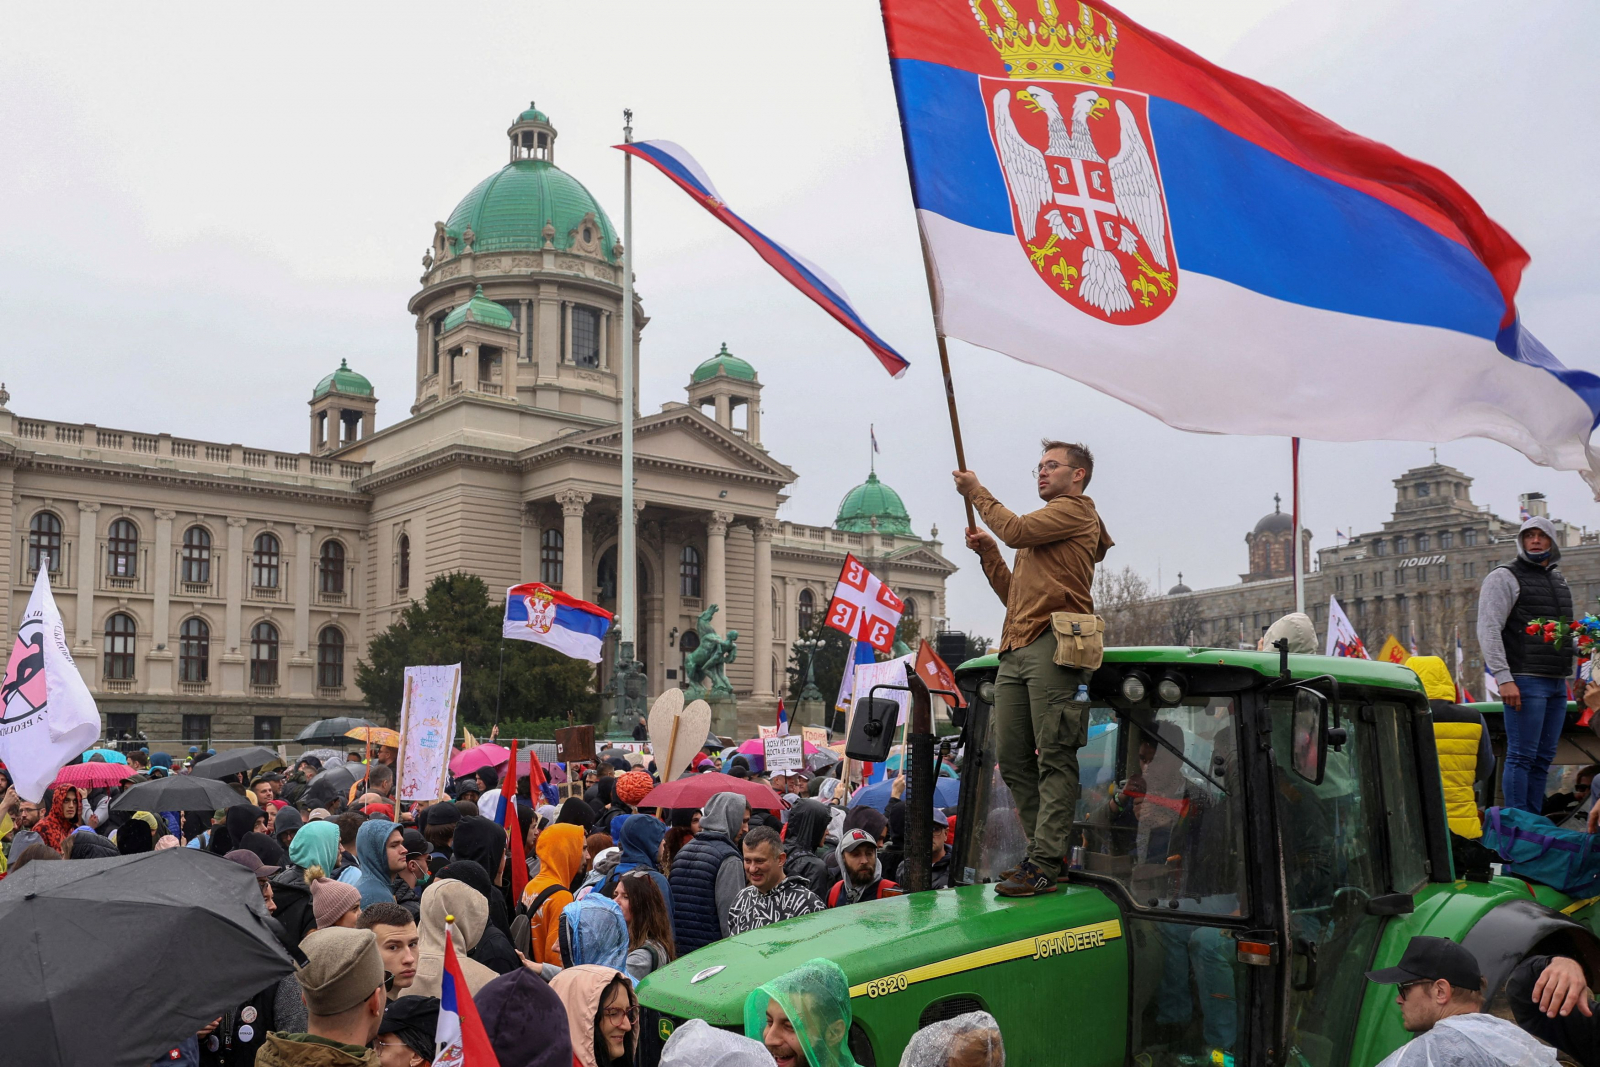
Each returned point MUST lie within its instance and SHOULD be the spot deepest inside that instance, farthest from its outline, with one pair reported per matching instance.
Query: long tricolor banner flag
(535, 612)
(676, 163)
(1100, 201)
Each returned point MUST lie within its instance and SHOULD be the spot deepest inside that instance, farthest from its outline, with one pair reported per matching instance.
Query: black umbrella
(179, 792)
(235, 760)
(113, 961)
(333, 782)
(332, 729)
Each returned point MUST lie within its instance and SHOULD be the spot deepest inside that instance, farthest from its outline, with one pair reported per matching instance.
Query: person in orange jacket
(560, 851)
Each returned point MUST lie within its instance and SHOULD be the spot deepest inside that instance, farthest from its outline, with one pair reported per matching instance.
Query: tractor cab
(1254, 832)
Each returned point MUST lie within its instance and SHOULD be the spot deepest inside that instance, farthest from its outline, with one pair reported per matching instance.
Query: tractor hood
(912, 939)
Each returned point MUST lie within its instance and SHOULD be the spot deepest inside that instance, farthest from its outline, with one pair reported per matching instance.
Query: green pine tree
(456, 622)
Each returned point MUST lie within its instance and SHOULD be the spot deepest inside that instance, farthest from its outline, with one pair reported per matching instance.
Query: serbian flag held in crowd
(460, 1035)
(545, 616)
(1097, 200)
(676, 163)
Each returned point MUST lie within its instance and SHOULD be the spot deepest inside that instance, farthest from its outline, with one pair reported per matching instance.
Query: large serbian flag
(676, 163)
(545, 616)
(864, 607)
(1097, 200)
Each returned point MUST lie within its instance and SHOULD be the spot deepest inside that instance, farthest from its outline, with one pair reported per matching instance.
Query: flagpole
(626, 578)
(944, 368)
(1299, 576)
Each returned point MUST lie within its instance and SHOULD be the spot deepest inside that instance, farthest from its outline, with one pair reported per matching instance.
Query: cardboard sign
(575, 744)
(427, 725)
(783, 754)
(766, 731)
(816, 735)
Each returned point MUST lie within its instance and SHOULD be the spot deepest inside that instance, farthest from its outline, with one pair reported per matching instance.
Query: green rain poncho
(816, 997)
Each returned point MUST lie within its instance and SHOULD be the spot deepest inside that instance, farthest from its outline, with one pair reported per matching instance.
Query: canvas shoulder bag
(1080, 639)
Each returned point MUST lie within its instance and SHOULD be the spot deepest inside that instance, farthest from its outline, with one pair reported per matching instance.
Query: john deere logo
(665, 1029)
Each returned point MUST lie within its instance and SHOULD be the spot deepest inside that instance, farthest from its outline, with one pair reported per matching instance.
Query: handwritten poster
(427, 728)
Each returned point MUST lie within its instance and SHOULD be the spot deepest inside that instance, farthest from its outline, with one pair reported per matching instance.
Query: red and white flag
(936, 674)
(47, 717)
(864, 608)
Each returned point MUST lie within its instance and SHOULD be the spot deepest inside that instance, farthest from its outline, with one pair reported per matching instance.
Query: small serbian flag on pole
(460, 1036)
(783, 720)
(677, 164)
(545, 616)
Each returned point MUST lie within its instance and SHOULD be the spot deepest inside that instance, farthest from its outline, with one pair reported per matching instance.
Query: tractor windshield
(1161, 809)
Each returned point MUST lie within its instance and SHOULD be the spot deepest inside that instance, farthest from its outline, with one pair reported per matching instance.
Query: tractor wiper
(1168, 745)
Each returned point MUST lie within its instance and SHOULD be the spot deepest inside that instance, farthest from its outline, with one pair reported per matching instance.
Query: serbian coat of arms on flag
(1080, 163)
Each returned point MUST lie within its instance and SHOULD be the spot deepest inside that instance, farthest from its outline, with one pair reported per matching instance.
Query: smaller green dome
(725, 362)
(533, 114)
(873, 500)
(344, 380)
(479, 309)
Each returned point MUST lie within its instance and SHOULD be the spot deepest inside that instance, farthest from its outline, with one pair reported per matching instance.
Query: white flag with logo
(47, 717)
(1342, 637)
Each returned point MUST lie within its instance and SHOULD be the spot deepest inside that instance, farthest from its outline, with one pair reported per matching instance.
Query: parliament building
(1417, 578)
(214, 591)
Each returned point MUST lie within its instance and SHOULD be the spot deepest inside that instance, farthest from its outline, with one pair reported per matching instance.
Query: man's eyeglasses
(1050, 466)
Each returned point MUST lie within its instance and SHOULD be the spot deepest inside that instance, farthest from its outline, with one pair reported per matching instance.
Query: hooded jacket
(450, 897)
(1462, 739)
(1513, 596)
(483, 841)
(641, 844)
(580, 989)
(315, 845)
(808, 824)
(1297, 627)
(560, 850)
(56, 826)
(594, 931)
(708, 875)
(374, 860)
(845, 891)
(494, 950)
(240, 820)
(525, 1021)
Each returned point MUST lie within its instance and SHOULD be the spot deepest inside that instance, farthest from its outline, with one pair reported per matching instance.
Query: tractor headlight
(1134, 689)
(986, 693)
(1169, 690)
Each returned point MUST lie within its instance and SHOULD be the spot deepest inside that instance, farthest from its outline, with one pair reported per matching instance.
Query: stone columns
(717, 564)
(762, 530)
(237, 552)
(573, 565)
(162, 578)
(724, 411)
(525, 342)
(303, 588)
(88, 556)
(469, 373)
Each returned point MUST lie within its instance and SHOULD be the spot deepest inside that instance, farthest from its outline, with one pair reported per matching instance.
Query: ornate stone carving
(717, 523)
(467, 237)
(521, 262)
(604, 526)
(487, 263)
(763, 528)
(567, 263)
(587, 375)
(237, 521)
(549, 235)
(304, 528)
(573, 501)
(163, 513)
(450, 271)
(427, 260)
(85, 505)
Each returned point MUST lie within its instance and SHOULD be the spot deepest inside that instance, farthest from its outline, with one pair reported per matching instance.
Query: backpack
(1535, 848)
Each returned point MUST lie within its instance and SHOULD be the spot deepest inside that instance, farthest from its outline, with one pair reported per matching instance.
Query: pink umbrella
(95, 775)
(754, 747)
(487, 755)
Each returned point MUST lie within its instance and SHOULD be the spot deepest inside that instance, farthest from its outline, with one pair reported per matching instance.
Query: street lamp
(810, 644)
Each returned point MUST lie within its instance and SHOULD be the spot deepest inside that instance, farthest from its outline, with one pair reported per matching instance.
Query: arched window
(119, 648)
(550, 556)
(689, 572)
(330, 658)
(265, 560)
(194, 651)
(332, 567)
(403, 555)
(44, 542)
(263, 654)
(122, 549)
(911, 607)
(808, 611)
(197, 555)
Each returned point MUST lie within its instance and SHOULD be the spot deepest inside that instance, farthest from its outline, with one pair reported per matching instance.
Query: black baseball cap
(416, 844)
(1429, 958)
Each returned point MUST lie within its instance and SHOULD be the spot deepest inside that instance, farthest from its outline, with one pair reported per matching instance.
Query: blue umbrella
(945, 769)
(876, 795)
(111, 755)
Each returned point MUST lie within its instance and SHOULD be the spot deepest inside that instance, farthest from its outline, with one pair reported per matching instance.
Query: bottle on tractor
(1255, 831)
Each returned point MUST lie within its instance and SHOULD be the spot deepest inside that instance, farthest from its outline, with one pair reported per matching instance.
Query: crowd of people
(361, 890)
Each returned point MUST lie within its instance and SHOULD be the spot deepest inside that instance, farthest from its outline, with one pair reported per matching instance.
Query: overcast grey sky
(208, 206)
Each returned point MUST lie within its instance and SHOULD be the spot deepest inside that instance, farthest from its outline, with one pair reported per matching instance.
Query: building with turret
(214, 590)
(1416, 578)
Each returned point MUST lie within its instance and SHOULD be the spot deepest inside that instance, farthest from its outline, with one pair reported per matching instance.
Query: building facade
(1417, 578)
(215, 590)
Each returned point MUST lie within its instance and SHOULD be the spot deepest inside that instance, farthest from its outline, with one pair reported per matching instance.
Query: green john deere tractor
(1255, 831)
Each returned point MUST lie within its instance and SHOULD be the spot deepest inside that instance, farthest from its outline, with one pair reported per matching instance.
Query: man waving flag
(1100, 201)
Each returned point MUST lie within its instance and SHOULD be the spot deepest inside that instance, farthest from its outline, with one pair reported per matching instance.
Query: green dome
(873, 500)
(481, 309)
(509, 209)
(533, 114)
(727, 363)
(344, 380)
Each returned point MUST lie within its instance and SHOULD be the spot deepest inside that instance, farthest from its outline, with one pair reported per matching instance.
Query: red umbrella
(693, 792)
(95, 775)
(473, 759)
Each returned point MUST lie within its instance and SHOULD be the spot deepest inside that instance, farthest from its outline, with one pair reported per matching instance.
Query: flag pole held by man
(1050, 644)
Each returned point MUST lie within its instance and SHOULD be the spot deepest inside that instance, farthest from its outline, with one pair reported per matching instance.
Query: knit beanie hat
(632, 787)
(330, 899)
(343, 968)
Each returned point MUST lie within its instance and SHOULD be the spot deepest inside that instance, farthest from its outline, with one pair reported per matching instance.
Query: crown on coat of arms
(1047, 47)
